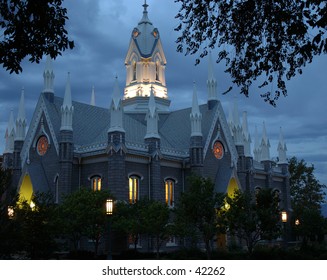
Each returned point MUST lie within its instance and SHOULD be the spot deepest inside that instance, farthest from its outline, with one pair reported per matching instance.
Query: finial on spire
(145, 5)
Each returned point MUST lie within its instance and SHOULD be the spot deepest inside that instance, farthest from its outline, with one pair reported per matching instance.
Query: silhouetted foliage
(197, 212)
(270, 40)
(253, 217)
(307, 195)
(31, 28)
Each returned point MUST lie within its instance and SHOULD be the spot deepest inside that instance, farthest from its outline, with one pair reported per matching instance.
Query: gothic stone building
(138, 147)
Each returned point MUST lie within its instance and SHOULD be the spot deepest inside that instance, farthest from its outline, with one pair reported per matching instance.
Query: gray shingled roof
(91, 123)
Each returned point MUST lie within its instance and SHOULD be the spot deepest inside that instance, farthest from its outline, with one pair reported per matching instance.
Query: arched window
(133, 188)
(157, 71)
(134, 70)
(96, 183)
(169, 192)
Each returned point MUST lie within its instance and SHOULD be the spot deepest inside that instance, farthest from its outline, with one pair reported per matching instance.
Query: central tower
(145, 68)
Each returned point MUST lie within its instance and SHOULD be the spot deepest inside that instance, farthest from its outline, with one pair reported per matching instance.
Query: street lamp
(284, 220)
(109, 207)
(109, 211)
(297, 222)
(284, 216)
(11, 212)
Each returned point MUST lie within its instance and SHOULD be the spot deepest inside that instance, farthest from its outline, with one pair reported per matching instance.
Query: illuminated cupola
(145, 68)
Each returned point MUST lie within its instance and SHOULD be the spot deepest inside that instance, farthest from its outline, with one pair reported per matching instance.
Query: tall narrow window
(96, 183)
(134, 70)
(157, 71)
(133, 194)
(169, 192)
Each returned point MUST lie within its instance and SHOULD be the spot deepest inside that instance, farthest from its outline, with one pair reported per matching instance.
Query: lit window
(133, 189)
(134, 70)
(157, 71)
(96, 183)
(169, 192)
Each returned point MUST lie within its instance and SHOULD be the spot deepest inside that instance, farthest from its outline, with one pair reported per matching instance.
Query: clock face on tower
(218, 150)
(42, 145)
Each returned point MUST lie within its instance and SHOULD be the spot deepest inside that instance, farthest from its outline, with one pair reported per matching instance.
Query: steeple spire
(67, 108)
(265, 145)
(195, 115)
(211, 82)
(145, 18)
(256, 150)
(92, 97)
(48, 76)
(282, 159)
(116, 112)
(21, 119)
(246, 135)
(152, 118)
(236, 127)
(10, 134)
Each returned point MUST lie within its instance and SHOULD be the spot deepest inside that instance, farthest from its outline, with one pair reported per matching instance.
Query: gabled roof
(91, 123)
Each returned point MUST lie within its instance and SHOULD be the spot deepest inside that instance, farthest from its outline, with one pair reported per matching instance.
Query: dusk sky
(101, 30)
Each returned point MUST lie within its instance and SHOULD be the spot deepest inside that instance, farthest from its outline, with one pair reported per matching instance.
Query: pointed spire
(236, 126)
(48, 76)
(21, 119)
(211, 82)
(246, 135)
(265, 145)
(68, 93)
(145, 18)
(195, 103)
(92, 103)
(256, 150)
(116, 94)
(67, 108)
(152, 103)
(116, 111)
(282, 158)
(195, 116)
(10, 134)
(152, 118)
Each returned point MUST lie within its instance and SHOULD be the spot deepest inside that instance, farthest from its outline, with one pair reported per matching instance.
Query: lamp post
(11, 212)
(284, 220)
(109, 212)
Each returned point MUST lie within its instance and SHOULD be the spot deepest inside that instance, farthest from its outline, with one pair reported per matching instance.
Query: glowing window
(133, 193)
(157, 71)
(134, 70)
(169, 192)
(96, 183)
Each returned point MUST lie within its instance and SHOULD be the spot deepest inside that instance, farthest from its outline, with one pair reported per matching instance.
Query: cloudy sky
(101, 30)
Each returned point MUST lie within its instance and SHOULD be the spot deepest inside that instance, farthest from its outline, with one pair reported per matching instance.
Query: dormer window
(135, 33)
(155, 33)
